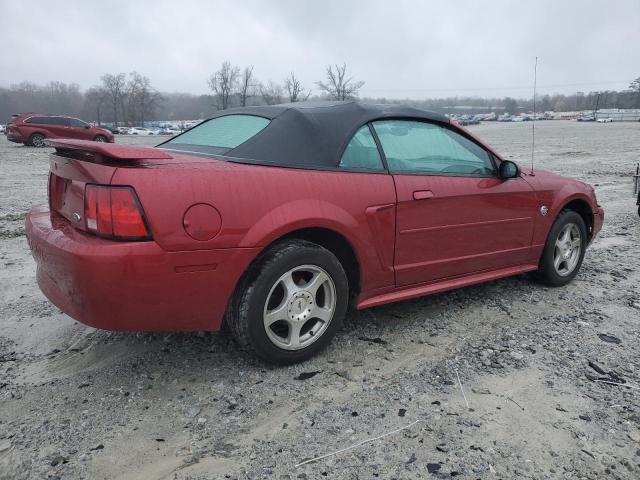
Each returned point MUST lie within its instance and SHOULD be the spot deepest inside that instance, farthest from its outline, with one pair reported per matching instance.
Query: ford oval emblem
(76, 216)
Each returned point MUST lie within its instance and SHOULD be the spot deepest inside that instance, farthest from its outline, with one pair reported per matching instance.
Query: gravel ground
(76, 402)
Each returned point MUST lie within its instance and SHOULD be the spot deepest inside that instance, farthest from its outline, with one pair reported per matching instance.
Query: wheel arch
(329, 226)
(583, 208)
(37, 132)
(337, 244)
(328, 238)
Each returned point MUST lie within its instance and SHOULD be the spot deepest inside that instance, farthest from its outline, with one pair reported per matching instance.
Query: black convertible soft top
(305, 134)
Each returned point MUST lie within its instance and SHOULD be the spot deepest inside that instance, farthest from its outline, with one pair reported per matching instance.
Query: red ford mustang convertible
(270, 220)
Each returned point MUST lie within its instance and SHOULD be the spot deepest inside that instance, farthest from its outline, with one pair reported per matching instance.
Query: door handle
(423, 194)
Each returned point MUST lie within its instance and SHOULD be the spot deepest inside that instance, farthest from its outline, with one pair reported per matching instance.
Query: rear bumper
(131, 286)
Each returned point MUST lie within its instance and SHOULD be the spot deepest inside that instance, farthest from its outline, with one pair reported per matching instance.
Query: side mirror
(87, 126)
(508, 169)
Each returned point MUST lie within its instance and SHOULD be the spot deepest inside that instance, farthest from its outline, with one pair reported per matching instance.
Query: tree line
(132, 100)
(232, 86)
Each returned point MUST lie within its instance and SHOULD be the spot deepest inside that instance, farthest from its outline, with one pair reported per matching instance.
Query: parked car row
(34, 128)
(149, 131)
(524, 117)
(590, 117)
(465, 120)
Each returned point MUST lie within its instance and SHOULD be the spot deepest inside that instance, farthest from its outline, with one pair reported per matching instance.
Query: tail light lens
(114, 212)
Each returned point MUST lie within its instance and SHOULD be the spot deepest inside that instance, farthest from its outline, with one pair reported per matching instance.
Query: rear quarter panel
(260, 204)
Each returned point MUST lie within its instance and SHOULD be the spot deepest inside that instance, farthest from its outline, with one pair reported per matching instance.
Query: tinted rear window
(48, 120)
(38, 120)
(222, 132)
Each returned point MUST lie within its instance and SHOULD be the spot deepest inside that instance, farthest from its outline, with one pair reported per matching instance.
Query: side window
(418, 147)
(362, 152)
(74, 122)
(37, 120)
(48, 120)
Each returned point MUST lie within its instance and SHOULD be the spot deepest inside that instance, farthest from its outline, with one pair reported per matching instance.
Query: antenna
(533, 123)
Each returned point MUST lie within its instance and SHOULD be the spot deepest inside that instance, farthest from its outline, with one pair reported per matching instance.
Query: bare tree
(271, 93)
(295, 90)
(96, 97)
(247, 85)
(635, 88)
(141, 98)
(338, 86)
(114, 86)
(224, 83)
(510, 105)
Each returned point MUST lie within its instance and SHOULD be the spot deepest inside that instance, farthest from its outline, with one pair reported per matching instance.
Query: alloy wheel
(299, 307)
(567, 250)
(37, 140)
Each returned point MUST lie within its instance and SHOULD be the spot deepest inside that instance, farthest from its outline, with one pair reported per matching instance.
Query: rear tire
(290, 303)
(564, 250)
(37, 140)
(100, 138)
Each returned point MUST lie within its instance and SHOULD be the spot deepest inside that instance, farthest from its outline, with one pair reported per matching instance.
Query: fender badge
(76, 216)
(544, 210)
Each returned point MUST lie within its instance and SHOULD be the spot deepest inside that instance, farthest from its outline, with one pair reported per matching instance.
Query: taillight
(114, 212)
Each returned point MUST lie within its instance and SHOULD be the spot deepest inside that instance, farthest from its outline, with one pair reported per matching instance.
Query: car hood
(541, 176)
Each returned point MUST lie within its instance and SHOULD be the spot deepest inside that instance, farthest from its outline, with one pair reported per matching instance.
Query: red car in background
(272, 219)
(33, 129)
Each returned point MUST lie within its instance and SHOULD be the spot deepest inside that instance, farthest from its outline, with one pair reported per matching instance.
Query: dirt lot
(82, 403)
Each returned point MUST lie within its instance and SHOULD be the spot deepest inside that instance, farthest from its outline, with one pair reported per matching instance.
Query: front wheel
(564, 251)
(100, 138)
(291, 303)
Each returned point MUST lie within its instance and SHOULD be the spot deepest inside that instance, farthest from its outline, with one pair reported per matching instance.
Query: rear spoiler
(116, 152)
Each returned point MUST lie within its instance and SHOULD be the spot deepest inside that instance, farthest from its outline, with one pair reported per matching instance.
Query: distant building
(619, 114)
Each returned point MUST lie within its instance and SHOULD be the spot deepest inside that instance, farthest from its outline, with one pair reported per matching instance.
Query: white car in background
(605, 120)
(169, 131)
(192, 123)
(140, 131)
(2, 128)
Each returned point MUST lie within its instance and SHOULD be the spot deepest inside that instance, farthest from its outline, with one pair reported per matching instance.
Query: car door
(454, 216)
(78, 129)
(58, 127)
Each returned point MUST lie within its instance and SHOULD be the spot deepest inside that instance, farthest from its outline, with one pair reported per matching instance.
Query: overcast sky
(417, 49)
